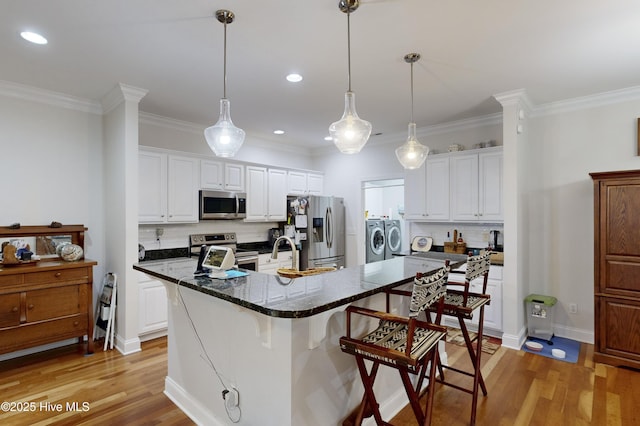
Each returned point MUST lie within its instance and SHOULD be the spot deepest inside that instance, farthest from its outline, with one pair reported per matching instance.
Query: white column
(515, 111)
(120, 128)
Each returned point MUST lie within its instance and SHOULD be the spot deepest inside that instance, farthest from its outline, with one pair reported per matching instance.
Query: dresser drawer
(9, 310)
(11, 279)
(74, 274)
(44, 332)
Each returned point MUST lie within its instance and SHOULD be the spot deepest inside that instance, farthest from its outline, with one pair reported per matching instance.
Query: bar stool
(404, 343)
(462, 304)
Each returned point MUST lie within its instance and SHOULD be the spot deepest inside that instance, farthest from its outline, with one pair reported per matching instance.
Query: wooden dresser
(46, 301)
(617, 268)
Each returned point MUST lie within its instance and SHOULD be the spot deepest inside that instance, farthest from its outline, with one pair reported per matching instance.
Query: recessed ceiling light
(278, 132)
(33, 37)
(294, 78)
(328, 138)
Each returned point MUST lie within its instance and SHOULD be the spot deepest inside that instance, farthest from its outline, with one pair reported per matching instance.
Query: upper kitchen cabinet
(168, 188)
(427, 190)
(221, 176)
(302, 183)
(476, 186)
(266, 194)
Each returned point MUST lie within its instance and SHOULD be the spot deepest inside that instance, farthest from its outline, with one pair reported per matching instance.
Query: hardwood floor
(524, 389)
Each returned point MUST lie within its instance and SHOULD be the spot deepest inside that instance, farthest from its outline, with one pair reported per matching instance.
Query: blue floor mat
(571, 348)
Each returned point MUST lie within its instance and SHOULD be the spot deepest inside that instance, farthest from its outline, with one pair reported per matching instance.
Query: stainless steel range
(246, 259)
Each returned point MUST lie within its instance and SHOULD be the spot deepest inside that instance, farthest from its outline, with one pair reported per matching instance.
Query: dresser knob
(30, 306)
(75, 323)
(58, 274)
(15, 309)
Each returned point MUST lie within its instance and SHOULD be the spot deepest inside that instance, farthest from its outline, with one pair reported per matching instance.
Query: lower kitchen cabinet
(46, 303)
(152, 308)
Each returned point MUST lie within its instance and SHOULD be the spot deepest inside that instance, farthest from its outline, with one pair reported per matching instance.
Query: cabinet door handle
(30, 306)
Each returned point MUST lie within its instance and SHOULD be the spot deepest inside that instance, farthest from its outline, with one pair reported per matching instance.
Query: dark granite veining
(299, 297)
(165, 254)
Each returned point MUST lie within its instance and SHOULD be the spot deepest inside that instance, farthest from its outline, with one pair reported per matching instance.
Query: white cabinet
(152, 308)
(211, 174)
(234, 177)
(315, 184)
(427, 190)
(167, 188)
(266, 265)
(266, 194)
(492, 311)
(182, 195)
(302, 183)
(152, 187)
(476, 186)
(221, 176)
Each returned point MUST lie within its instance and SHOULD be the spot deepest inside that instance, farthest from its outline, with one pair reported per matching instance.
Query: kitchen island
(272, 342)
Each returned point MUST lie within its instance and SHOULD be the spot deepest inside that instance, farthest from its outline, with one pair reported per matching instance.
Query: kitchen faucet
(294, 250)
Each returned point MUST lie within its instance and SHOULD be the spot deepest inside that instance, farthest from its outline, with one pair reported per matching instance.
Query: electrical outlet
(573, 308)
(159, 232)
(231, 398)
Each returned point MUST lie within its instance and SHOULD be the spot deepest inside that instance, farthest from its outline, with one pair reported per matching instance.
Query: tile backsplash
(475, 235)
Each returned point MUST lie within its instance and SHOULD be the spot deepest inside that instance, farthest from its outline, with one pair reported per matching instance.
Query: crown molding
(49, 97)
(170, 123)
(590, 101)
(121, 93)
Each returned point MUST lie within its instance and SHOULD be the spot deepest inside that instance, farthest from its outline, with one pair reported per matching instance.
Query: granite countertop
(299, 297)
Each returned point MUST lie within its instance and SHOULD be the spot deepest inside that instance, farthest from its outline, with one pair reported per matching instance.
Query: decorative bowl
(71, 252)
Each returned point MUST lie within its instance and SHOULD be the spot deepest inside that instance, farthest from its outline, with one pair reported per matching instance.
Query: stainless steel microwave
(222, 205)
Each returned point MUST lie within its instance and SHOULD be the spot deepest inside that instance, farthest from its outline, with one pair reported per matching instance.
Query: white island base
(286, 371)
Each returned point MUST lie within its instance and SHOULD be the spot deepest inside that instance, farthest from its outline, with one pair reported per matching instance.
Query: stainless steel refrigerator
(325, 232)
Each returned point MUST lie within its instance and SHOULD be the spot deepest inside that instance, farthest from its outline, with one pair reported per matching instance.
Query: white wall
(51, 169)
(570, 145)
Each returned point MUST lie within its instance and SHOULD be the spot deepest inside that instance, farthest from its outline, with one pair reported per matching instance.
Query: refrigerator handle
(329, 227)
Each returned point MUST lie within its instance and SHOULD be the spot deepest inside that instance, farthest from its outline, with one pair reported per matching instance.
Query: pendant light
(350, 133)
(412, 154)
(224, 138)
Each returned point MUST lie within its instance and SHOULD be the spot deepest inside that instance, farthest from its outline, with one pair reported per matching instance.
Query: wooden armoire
(617, 267)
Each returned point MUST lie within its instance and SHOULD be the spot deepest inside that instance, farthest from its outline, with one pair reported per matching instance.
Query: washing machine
(375, 240)
(393, 238)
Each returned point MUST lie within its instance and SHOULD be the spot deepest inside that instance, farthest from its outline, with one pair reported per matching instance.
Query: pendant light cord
(412, 92)
(224, 83)
(349, 48)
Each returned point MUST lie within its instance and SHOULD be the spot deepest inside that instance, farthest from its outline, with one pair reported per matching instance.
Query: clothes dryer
(375, 240)
(393, 238)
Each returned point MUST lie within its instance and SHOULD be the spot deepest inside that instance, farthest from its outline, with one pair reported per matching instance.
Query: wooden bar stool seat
(404, 343)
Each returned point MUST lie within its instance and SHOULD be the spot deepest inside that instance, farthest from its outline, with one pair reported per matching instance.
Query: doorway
(383, 201)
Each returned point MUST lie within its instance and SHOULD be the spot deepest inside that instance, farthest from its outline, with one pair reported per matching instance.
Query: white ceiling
(470, 51)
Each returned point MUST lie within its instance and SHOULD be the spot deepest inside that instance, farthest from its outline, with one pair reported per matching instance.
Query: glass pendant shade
(224, 138)
(412, 154)
(350, 133)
